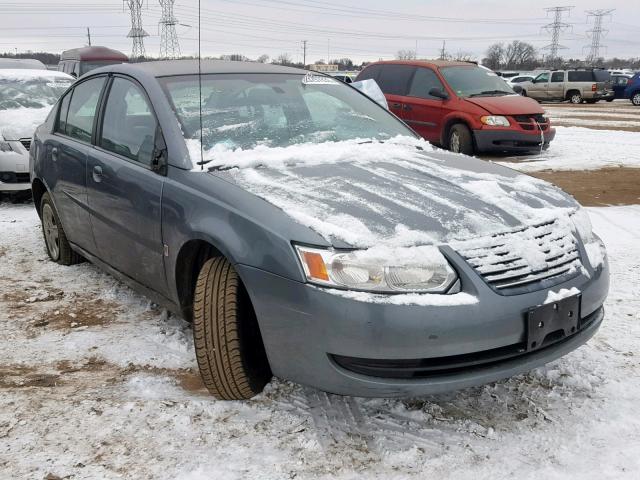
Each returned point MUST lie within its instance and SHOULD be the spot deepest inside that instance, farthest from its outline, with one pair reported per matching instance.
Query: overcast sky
(361, 30)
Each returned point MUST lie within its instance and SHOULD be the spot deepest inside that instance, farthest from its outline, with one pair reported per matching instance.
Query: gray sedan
(310, 234)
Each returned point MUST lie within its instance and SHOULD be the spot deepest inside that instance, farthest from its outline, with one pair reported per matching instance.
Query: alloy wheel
(454, 142)
(51, 234)
(636, 99)
(576, 98)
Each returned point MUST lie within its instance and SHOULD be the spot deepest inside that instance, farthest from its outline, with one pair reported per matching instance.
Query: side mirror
(438, 93)
(517, 88)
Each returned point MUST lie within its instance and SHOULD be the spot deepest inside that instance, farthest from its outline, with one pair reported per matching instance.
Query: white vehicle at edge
(26, 98)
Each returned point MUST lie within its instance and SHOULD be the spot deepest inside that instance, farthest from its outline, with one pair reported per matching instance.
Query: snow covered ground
(95, 382)
(578, 148)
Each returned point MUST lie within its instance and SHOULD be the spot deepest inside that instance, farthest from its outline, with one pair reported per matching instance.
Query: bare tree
(495, 56)
(519, 55)
(283, 59)
(406, 55)
(463, 56)
(263, 59)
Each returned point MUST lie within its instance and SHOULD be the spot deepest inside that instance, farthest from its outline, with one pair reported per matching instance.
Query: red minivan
(461, 106)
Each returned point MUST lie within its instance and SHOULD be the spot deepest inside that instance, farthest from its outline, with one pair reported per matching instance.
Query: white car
(520, 79)
(26, 98)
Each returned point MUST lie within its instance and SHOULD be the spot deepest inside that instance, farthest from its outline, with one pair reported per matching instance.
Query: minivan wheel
(229, 349)
(575, 98)
(460, 139)
(635, 99)
(58, 246)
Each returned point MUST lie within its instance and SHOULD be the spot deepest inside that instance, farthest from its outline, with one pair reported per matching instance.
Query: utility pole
(169, 45)
(596, 33)
(328, 47)
(443, 51)
(304, 53)
(137, 33)
(89, 36)
(555, 29)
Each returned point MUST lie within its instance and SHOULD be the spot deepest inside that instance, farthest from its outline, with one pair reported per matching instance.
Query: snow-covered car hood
(395, 194)
(17, 123)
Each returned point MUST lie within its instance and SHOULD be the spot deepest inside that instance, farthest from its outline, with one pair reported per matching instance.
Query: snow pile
(576, 148)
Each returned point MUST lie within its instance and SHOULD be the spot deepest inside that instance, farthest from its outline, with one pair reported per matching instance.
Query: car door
(540, 87)
(422, 111)
(123, 189)
(394, 80)
(555, 91)
(67, 149)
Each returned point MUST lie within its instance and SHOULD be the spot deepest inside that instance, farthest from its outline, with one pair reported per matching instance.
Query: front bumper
(512, 140)
(14, 169)
(306, 329)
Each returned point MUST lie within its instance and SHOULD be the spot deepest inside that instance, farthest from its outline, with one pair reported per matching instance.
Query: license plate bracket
(560, 318)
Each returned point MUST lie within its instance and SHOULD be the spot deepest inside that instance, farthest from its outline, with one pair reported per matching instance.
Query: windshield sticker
(315, 79)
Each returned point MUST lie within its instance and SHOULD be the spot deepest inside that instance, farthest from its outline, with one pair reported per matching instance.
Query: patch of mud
(81, 313)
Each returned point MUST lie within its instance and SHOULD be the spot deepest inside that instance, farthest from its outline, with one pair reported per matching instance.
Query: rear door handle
(396, 105)
(54, 154)
(97, 174)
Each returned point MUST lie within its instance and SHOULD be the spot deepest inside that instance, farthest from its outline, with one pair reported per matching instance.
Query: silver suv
(575, 86)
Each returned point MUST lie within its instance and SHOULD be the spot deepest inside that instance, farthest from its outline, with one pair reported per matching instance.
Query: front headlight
(5, 147)
(391, 270)
(582, 224)
(495, 121)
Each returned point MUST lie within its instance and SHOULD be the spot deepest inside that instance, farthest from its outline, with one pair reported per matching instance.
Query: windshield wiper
(490, 92)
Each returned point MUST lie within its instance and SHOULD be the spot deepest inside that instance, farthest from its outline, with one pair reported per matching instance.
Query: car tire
(591, 101)
(575, 98)
(609, 99)
(229, 349)
(460, 139)
(635, 99)
(55, 239)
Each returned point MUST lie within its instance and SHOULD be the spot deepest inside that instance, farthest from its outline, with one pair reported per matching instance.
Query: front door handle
(54, 154)
(97, 174)
(396, 105)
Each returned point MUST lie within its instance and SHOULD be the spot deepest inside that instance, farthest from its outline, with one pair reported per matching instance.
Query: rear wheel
(460, 139)
(575, 98)
(591, 101)
(635, 99)
(229, 349)
(58, 246)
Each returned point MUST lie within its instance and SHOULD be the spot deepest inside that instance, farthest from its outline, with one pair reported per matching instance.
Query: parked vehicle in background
(287, 245)
(26, 97)
(520, 79)
(576, 86)
(22, 63)
(619, 85)
(345, 77)
(461, 106)
(78, 61)
(632, 92)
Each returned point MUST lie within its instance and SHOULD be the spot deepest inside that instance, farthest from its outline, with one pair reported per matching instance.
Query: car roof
(26, 63)
(167, 68)
(93, 53)
(31, 73)
(426, 63)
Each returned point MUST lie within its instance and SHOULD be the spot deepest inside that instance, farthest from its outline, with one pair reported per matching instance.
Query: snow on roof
(30, 74)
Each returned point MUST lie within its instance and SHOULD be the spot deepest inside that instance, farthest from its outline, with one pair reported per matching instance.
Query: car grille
(12, 177)
(546, 252)
(531, 122)
(26, 142)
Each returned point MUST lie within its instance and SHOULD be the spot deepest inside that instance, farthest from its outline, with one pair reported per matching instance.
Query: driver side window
(542, 78)
(129, 126)
(423, 81)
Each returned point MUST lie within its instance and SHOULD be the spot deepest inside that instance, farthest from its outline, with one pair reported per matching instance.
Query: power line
(137, 33)
(556, 28)
(597, 32)
(169, 44)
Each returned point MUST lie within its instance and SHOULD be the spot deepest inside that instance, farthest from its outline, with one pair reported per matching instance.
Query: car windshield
(472, 81)
(31, 91)
(276, 110)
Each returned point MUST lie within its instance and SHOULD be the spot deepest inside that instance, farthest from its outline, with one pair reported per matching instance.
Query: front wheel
(55, 239)
(460, 139)
(635, 99)
(229, 349)
(575, 98)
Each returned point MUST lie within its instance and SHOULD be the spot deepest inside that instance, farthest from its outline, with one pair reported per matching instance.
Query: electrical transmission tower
(597, 32)
(137, 33)
(555, 29)
(169, 46)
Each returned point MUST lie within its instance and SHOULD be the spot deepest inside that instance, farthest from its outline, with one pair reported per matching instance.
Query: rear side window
(557, 77)
(580, 76)
(129, 126)
(370, 73)
(82, 109)
(394, 79)
(424, 80)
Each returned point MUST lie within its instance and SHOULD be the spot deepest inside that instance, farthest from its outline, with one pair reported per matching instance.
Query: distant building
(321, 67)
